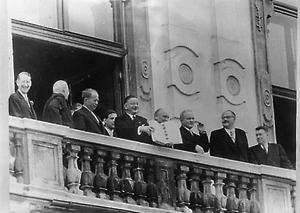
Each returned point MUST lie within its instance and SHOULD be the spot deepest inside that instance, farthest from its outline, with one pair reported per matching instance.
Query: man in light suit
(268, 153)
(229, 142)
(19, 103)
(190, 141)
(85, 119)
(130, 125)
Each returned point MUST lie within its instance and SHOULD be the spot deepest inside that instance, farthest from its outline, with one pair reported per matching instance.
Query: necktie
(264, 148)
(232, 135)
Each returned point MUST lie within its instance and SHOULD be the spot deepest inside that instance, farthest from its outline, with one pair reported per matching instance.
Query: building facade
(207, 56)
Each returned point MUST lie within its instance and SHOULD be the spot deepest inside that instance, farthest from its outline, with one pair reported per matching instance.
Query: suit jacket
(126, 128)
(221, 145)
(19, 107)
(56, 110)
(84, 120)
(190, 141)
(276, 156)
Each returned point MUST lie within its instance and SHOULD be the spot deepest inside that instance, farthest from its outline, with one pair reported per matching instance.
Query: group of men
(227, 142)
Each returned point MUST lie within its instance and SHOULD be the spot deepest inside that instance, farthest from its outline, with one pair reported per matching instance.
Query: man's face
(24, 83)
(261, 136)
(92, 102)
(132, 106)
(228, 120)
(162, 116)
(110, 121)
(188, 120)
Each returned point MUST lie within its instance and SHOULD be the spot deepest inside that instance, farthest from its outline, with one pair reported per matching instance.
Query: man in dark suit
(19, 103)
(229, 142)
(268, 153)
(56, 109)
(85, 119)
(109, 122)
(190, 141)
(131, 126)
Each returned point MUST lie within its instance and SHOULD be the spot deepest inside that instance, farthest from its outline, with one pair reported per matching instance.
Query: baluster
(244, 203)
(232, 200)
(183, 194)
(152, 192)
(87, 177)
(73, 174)
(113, 181)
(19, 163)
(140, 186)
(162, 186)
(293, 197)
(127, 184)
(100, 178)
(209, 200)
(196, 195)
(12, 159)
(254, 204)
(221, 198)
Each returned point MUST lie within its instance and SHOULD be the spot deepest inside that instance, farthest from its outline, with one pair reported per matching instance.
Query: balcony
(57, 169)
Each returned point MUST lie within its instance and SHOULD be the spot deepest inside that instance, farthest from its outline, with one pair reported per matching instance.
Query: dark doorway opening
(48, 62)
(285, 120)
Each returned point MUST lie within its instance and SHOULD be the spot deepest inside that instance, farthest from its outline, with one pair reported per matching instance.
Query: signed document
(166, 132)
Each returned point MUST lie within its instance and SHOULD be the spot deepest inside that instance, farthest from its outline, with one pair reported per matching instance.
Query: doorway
(48, 62)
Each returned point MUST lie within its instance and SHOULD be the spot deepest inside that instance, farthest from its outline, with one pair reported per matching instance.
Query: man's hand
(199, 149)
(201, 128)
(147, 129)
(170, 145)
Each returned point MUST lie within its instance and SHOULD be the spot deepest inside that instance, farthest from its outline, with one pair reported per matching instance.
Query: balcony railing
(54, 167)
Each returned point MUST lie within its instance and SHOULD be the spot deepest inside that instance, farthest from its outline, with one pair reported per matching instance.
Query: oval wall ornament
(185, 73)
(233, 85)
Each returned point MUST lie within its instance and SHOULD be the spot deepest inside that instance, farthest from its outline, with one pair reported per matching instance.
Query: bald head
(161, 115)
(61, 87)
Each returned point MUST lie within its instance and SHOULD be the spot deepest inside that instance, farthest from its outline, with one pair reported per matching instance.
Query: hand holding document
(165, 133)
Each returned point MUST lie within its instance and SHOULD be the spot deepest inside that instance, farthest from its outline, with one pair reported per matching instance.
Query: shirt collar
(131, 116)
(24, 95)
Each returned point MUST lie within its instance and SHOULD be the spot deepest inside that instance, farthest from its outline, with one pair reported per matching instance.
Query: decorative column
(152, 193)
(209, 200)
(232, 200)
(127, 183)
(261, 10)
(19, 161)
(196, 195)
(140, 186)
(221, 198)
(244, 203)
(87, 177)
(12, 159)
(113, 181)
(183, 193)
(254, 204)
(73, 174)
(100, 178)
(293, 197)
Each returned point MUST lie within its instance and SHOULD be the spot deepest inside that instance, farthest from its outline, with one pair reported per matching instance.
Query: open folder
(166, 132)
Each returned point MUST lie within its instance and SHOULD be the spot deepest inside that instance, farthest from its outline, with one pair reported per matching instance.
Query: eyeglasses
(229, 116)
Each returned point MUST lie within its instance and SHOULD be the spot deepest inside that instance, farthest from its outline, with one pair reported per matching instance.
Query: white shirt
(25, 97)
(231, 133)
(110, 132)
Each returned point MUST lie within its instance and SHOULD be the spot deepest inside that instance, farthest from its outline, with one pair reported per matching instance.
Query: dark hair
(108, 112)
(87, 93)
(128, 97)
(262, 127)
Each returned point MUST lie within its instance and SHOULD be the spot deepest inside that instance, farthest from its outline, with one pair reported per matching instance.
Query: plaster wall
(202, 59)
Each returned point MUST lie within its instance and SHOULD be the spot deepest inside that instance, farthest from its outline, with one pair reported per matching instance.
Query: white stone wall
(214, 40)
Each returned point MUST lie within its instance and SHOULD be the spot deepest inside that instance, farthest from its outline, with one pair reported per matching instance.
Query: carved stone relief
(230, 81)
(184, 70)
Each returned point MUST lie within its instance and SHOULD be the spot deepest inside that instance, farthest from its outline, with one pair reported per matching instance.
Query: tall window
(282, 63)
(88, 17)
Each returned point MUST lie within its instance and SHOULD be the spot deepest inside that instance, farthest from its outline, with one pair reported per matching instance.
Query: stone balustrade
(64, 168)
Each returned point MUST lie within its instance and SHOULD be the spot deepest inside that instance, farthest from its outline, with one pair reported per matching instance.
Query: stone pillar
(5, 46)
